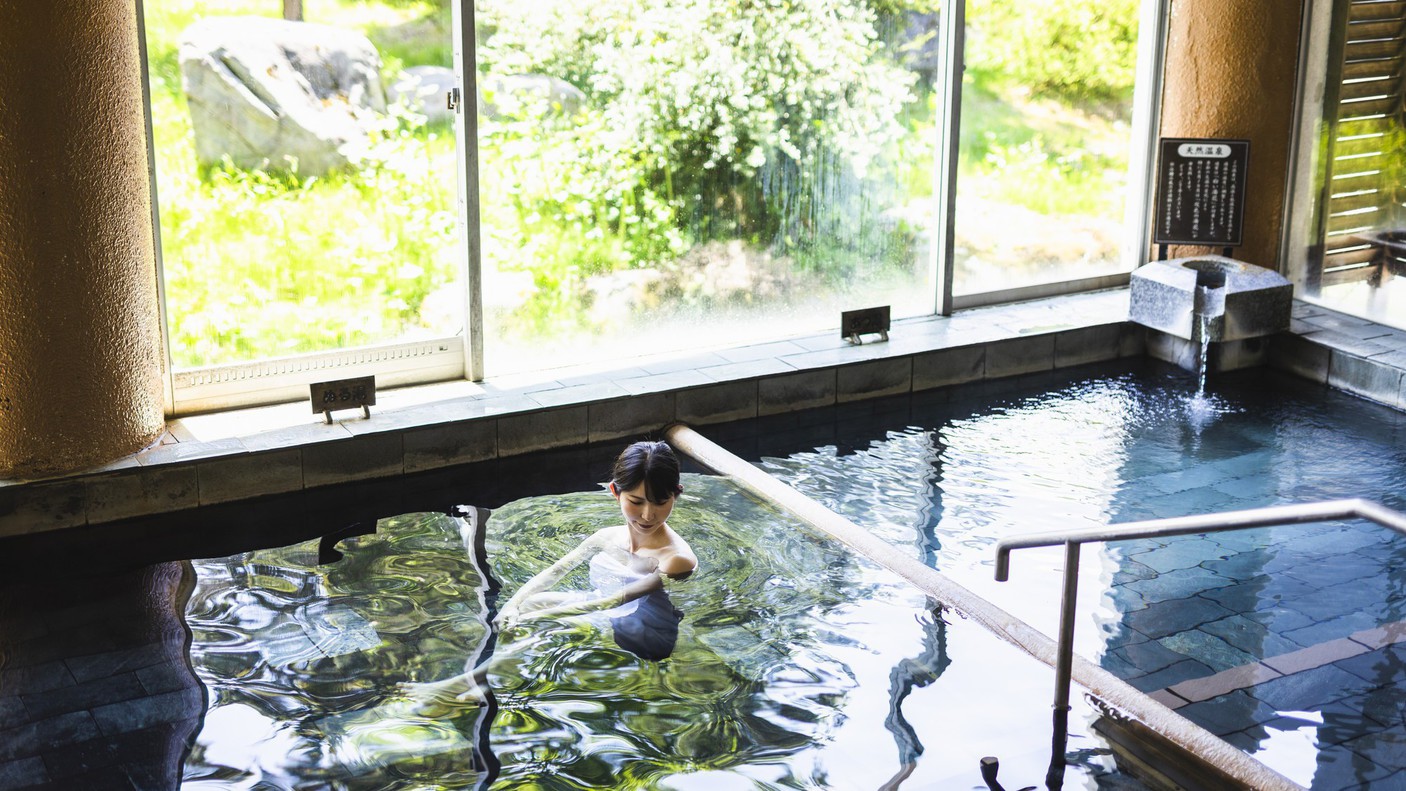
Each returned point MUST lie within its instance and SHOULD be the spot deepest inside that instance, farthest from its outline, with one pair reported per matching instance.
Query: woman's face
(640, 513)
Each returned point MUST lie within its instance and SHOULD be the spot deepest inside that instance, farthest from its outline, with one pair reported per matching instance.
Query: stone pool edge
(501, 420)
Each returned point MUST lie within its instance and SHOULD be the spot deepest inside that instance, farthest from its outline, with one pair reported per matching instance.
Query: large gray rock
(269, 92)
(527, 95)
(425, 90)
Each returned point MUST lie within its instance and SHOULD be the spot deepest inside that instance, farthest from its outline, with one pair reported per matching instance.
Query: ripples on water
(1093, 451)
(796, 667)
(1053, 461)
(1126, 447)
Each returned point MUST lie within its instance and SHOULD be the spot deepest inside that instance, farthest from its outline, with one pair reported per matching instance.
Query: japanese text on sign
(1217, 150)
(1201, 192)
(343, 394)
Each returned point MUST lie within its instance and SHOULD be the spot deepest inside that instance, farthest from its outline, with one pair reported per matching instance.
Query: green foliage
(893, 7)
(1046, 180)
(1060, 162)
(785, 124)
(694, 94)
(1072, 50)
(560, 206)
(695, 113)
(261, 265)
(436, 5)
(425, 39)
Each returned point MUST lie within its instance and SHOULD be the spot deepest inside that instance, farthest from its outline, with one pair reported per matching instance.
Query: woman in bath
(628, 563)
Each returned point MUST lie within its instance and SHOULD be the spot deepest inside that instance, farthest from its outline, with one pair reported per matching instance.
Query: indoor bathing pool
(1287, 642)
(796, 665)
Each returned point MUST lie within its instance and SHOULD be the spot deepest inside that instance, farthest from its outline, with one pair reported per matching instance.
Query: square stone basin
(1238, 300)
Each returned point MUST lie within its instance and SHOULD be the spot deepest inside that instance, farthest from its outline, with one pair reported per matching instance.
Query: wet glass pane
(666, 174)
(1045, 135)
(305, 174)
(1356, 248)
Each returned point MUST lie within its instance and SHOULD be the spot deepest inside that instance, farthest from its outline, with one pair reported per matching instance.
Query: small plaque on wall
(1201, 192)
(326, 397)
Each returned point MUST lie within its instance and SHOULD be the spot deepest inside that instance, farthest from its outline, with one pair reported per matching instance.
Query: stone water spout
(1236, 299)
(1209, 304)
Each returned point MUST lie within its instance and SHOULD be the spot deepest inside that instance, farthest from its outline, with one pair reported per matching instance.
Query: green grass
(1044, 156)
(259, 265)
(264, 265)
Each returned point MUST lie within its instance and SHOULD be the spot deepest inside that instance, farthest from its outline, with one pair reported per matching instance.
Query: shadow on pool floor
(95, 688)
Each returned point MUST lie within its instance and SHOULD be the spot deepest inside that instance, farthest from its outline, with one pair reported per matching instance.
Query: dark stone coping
(419, 437)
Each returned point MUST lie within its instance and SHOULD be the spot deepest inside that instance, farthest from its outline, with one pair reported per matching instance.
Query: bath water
(796, 666)
(945, 475)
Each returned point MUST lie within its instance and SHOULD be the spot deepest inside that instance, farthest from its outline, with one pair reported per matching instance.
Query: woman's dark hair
(655, 464)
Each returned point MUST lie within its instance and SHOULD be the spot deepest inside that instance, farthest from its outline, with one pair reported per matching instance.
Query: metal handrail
(1157, 528)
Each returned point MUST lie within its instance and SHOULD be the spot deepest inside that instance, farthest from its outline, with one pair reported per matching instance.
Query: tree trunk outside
(293, 9)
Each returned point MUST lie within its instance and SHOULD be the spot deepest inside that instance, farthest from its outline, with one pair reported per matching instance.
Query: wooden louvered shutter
(1366, 140)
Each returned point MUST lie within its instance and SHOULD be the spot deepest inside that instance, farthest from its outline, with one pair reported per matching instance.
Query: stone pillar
(1230, 73)
(80, 336)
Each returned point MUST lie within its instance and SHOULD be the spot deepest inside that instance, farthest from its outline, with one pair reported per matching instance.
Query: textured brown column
(80, 343)
(1230, 72)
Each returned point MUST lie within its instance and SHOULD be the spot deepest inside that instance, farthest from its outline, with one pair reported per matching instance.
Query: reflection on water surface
(796, 666)
(947, 477)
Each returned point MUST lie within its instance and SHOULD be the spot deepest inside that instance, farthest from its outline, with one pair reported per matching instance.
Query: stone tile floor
(1266, 654)
(96, 692)
(1277, 639)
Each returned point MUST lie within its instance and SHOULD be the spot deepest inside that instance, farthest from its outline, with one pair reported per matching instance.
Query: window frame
(459, 357)
(1137, 213)
(284, 379)
(1302, 238)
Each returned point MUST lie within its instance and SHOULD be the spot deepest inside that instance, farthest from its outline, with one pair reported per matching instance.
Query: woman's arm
(635, 590)
(549, 576)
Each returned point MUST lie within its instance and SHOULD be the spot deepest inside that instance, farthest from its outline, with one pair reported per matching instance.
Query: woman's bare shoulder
(681, 560)
(678, 564)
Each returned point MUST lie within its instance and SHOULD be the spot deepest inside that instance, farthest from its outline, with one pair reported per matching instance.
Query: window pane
(1356, 253)
(670, 174)
(303, 206)
(1045, 135)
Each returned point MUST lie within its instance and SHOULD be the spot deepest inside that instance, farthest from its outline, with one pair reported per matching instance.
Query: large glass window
(660, 175)
(636, 177)
(306, 185)
(1347, 247)
(1046, 132)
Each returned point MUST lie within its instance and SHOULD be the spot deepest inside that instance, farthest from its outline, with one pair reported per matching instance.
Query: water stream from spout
(1205, 353)
(1201, 409)
(1201, 309)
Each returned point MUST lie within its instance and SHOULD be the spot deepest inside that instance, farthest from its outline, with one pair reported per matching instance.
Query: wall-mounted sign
(1201, 192)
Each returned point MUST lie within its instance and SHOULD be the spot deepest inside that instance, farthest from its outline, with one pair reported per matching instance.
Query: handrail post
(1268, 516)
(1064, 661)
(1064, 664)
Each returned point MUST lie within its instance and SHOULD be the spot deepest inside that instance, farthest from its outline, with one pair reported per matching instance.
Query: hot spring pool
(797, 666)
(1286, 641)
